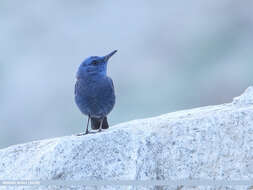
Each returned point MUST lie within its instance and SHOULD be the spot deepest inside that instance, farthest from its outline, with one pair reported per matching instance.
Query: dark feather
(95, 123)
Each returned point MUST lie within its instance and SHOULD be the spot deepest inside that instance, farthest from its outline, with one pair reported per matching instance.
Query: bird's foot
(90, 132)
(81, 134)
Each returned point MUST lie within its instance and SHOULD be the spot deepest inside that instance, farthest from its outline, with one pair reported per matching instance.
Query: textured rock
(214, 142)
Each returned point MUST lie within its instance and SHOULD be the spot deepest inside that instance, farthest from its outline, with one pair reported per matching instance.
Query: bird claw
(81, 134)
(90, 132)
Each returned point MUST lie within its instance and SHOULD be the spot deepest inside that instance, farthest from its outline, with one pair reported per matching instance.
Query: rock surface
(214, 142)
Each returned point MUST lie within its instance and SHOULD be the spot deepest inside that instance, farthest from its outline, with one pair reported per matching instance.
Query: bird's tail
(95, 123)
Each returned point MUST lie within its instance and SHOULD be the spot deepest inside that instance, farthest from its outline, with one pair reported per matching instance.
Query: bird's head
(94, 65)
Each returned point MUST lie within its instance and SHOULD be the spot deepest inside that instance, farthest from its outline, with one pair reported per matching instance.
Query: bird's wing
(77, 86)
(111, 82)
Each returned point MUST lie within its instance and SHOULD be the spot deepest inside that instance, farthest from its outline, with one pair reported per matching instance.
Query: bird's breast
(94, 97)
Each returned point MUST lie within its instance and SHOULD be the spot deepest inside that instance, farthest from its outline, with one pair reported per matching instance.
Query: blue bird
(94, 91)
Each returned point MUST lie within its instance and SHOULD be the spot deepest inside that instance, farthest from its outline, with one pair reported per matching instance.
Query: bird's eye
(94, 62)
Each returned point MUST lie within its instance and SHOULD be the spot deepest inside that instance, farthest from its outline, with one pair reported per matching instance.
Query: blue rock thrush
(94, 91)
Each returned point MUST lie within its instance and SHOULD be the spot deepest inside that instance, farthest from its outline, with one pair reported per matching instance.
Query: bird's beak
(107, 57)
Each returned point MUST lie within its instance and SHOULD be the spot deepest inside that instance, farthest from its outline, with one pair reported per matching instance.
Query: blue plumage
(94, 91)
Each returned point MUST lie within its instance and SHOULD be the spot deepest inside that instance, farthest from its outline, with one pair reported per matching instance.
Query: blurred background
(173, 55)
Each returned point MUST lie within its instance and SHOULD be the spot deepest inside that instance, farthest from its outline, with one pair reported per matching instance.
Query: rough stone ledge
(213, 142)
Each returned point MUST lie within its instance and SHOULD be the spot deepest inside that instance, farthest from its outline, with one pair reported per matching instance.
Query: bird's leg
(101, 124)
(87, 127)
